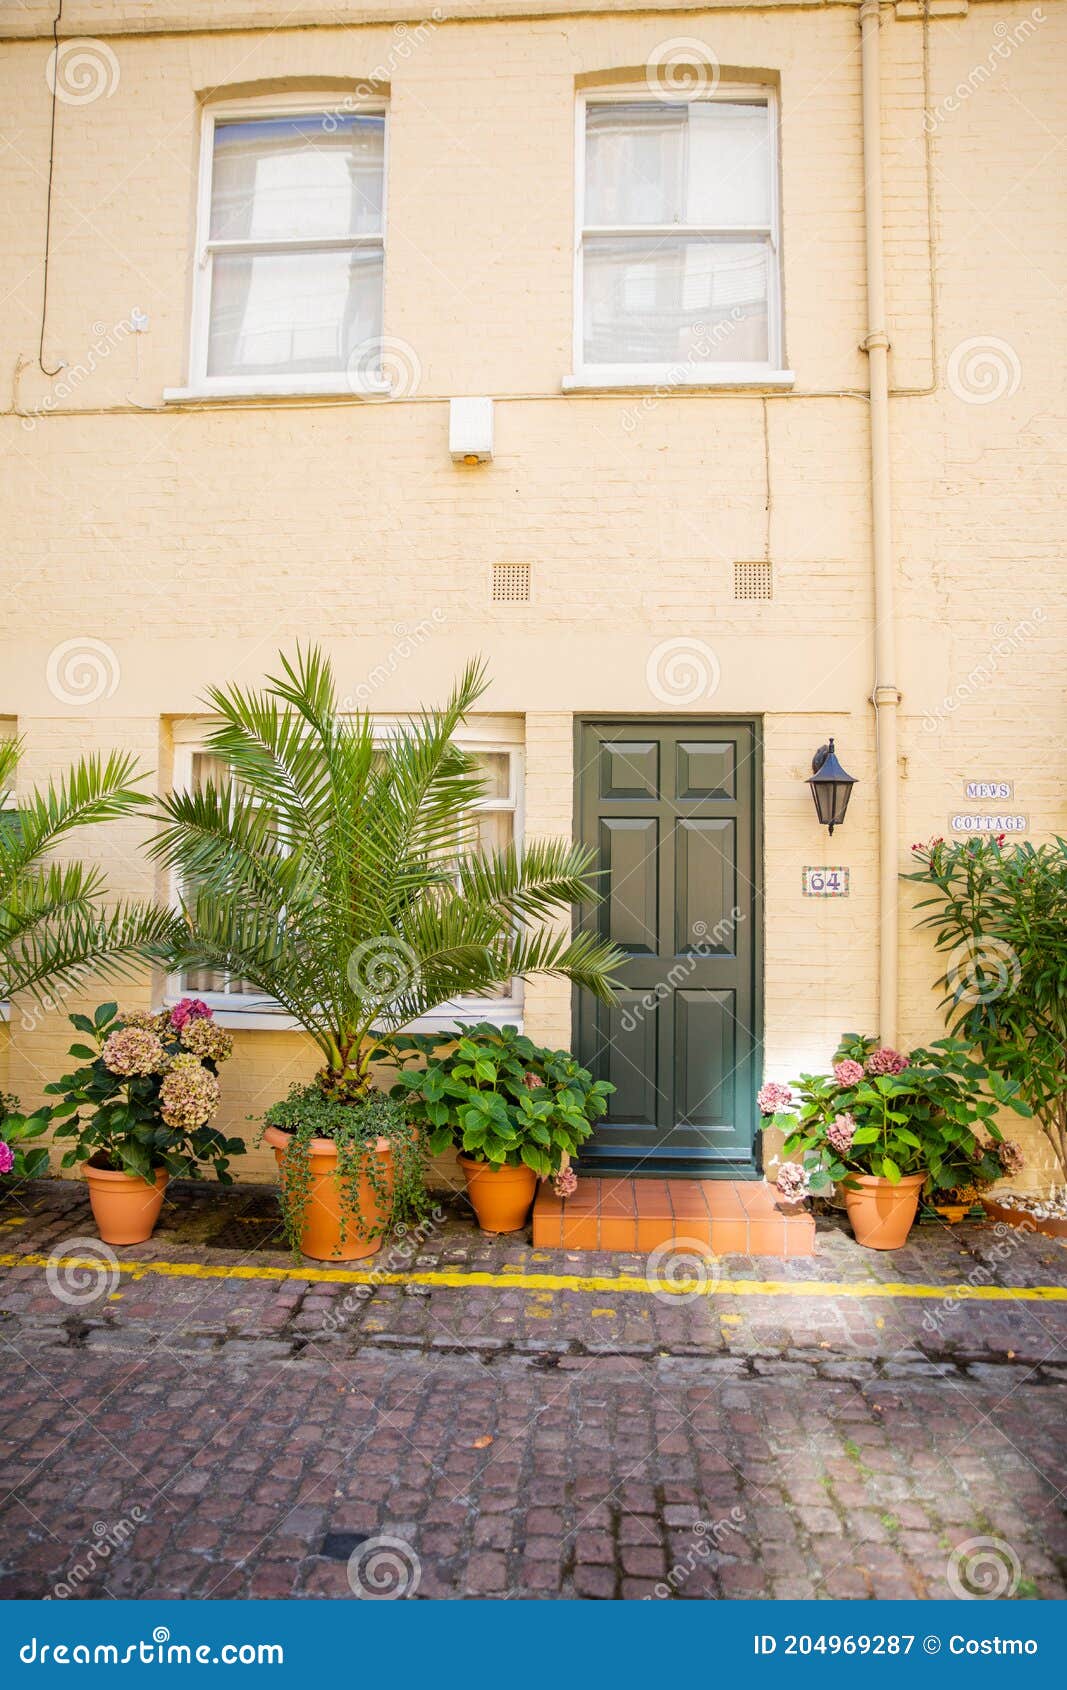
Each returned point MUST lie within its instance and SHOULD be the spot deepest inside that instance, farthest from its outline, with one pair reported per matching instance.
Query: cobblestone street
(523, 1423)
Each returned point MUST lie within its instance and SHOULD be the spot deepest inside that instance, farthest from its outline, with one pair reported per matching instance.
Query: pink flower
(886, 1061)
(189, 1094)
(7, 1158)
(133, 1050)
(1010, 1157)
(839, 1132)
(793, 1181)
(848, 1073)
(772, 1097)
(188, 1010)
(566, 1182)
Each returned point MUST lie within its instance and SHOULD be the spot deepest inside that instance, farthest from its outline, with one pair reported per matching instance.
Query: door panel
(671, 810)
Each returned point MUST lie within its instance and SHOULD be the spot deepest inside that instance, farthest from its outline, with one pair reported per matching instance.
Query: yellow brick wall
(192, 542)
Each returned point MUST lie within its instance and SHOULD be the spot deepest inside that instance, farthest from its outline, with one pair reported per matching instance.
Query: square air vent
(511, 582)
(753, 581)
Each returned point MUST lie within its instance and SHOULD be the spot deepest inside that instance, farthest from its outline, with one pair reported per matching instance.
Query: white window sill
(666, 380)
(262, 1018)
(5, 1009)
(303, 387)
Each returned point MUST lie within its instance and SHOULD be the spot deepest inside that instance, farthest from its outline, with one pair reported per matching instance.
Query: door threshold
(718, 1217)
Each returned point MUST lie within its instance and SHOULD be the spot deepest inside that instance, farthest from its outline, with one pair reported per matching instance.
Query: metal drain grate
(753, 581)
(511, 582)
(255, 1230)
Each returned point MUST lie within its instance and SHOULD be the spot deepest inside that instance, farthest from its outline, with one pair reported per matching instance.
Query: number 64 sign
(825, 882)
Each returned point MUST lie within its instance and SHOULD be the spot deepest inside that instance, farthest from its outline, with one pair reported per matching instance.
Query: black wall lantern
(831, 787)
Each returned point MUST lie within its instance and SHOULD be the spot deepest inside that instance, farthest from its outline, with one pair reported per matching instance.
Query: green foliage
(354, 1126)
(1000, 913)
(499, 1098)
(16, 1129)
(342, 877)
(117, 1120)
(54, 926)
(924, 1118)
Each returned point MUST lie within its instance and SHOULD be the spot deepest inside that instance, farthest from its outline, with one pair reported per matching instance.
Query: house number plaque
(825, 882)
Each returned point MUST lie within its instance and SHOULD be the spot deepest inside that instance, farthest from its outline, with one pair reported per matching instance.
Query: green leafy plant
(16, 1129)
(354, 1126)
(55, 928)
(145, 1092)
(341, 875)
(999, 911)
(499, 1098)
(886, 1114)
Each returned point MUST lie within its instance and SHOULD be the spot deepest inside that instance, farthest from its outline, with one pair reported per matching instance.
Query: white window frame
(241, 1010)
(680, 374)
(201, 385)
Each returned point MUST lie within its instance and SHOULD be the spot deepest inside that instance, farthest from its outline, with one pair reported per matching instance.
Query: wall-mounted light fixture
(470, 430)
(831, 787)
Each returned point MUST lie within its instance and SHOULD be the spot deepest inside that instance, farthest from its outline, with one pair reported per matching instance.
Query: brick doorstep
(724, 1217)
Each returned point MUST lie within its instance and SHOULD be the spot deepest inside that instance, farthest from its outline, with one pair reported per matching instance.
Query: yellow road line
(454, 1279)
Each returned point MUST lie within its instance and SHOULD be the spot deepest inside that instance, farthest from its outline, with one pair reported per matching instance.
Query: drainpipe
(885, 696)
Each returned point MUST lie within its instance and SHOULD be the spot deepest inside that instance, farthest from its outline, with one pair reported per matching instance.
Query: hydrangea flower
(189, 1094)
(848, 1073)
(884, 1060)
(133, 1050)
(7, 1158)
(204, 1039)
(188, 1010)
(840, 1131)
(1010, 1156)
(771, 1097)
(793, 1181)
(566, 1182)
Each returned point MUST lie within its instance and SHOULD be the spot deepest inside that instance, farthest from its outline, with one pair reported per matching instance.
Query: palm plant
(341, 876)
(55, 928)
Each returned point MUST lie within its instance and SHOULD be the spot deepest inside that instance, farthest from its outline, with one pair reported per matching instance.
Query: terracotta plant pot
(500, 1197)
(125, 1207)
(882, 1213)
(320, 1234)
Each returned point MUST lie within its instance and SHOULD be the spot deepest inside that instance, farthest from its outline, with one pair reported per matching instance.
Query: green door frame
(730, 1168)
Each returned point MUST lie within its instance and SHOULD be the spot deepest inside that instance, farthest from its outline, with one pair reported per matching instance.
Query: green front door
(671, 809)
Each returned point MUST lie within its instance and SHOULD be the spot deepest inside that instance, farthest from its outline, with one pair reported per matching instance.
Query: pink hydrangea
(848, 1073)
(204, 1039)
(189, 1094)
(7, 1158)
(566, 1182)
(793, 1181)
(840, 1132)
(771, 1097)
(188, 1010)
(886, 1061)
(133, 1050)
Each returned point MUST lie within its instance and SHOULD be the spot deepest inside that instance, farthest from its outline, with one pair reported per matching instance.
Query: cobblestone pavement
(173, 1435)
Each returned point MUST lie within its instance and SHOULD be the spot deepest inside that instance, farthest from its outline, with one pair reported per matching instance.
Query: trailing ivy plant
(499, 1098)
(998, 913)
(354, 1126)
